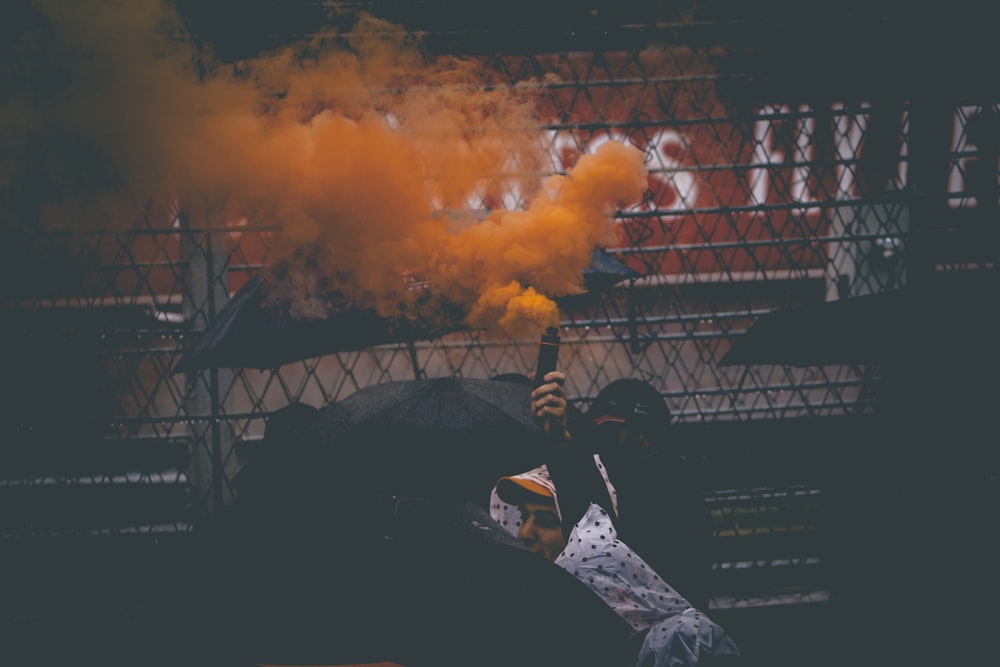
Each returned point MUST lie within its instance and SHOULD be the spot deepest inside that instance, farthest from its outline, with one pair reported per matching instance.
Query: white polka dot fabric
(509, 516)
(676, 634)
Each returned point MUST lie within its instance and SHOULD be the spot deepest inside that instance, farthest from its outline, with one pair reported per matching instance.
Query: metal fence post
(207, 292)
(930, 122)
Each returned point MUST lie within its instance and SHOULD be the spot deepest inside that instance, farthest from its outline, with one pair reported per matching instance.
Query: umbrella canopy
(849, 331)
(951, 322)
(445, 437)
(604, 272)
(449, 404)
(363, 544)
(363, 578)
(253, 332)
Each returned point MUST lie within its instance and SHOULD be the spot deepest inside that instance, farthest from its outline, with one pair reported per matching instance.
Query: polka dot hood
(509, 516)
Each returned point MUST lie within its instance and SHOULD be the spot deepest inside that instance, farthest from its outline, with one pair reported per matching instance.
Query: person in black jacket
(661, 504)
(564, 511)
(577, 471)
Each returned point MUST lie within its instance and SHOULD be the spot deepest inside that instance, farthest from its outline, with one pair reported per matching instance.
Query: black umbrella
(604, 272)
(848, 331)
(952, 321)
(371, 542)
(446, 437)
(450, 404)
(361, 577)
(252, 332)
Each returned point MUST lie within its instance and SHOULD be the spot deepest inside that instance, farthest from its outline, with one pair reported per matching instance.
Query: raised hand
(548, 407)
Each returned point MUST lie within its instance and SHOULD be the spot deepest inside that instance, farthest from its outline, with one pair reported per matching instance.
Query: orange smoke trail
(545, 248)
(354, 145)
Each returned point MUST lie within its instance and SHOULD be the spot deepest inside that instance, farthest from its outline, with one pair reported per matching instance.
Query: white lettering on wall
(903, 172)
(666, 170)
(849, 130)
(782, 164)
(602, 139)
(964, 152)
(562, 149)
(805, 148)
(766, 152)
(959, 162)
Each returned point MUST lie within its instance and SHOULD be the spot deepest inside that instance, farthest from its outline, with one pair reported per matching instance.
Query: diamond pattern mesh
(751, 206)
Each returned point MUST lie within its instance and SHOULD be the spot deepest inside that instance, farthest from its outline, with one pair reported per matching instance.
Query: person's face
(541, 530)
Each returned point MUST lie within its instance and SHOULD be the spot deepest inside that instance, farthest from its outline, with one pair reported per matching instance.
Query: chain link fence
(777, 178)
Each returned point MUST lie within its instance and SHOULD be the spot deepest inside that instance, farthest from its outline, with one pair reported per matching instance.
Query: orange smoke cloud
(544, 249)
(360, 148)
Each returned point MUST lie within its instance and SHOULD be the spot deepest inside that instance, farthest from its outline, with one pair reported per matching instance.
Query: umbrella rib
(508, 417)
(412, 406)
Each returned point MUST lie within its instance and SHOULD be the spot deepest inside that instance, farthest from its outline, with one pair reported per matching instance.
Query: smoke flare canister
(548, 353)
